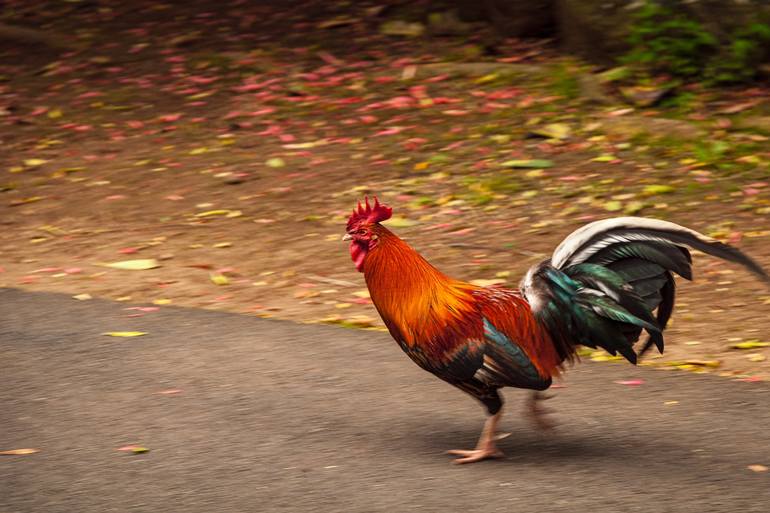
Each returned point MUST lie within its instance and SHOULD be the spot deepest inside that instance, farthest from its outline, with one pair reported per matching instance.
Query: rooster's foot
(537, 413)
(474, 455)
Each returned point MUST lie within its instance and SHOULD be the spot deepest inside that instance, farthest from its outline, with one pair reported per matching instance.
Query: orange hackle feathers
(369, 214)
(437, 315)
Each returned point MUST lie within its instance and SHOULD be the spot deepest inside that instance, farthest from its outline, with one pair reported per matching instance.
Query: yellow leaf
(652, 190)
(19, 452)
(209, 213)
(161, 302)
(758, 468)
(82, 297)
(750, 344)
(487, 283)
(554, 131)
(606, 358)
(361, 321)
(487, 78)
(704, 363)
(585, 351)
(343, 305)
(440, 175)
(141, 264)
(34, 162)
(54, 113)
(222, 212)
(420, 166)
(306, 145)
(219, 279)
(535, 173)
(399, 222)
(125, 334)
(275, 162)
(364, 293)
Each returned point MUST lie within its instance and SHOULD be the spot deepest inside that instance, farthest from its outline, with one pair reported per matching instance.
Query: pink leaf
(170, 118)
(631, 382)
(170, 391)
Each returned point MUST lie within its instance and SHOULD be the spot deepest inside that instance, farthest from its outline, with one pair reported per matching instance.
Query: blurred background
(207, 153)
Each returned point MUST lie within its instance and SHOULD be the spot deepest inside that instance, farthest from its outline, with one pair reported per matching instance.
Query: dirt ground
(228, 142)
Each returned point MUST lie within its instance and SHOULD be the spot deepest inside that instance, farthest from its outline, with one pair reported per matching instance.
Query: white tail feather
(584, 242)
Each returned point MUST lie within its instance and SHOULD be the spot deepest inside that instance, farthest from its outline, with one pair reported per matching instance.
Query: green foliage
(750, 47)
(664, 41)
(565, 83)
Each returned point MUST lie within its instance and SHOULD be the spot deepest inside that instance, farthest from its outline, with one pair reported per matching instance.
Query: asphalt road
(277, 416)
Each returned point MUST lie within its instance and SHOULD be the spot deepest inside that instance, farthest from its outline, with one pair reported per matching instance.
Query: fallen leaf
(631, 382)
(487, 283)
(704, 363)
(141, 264)
(125, 333)
(553, 131)
(750, 344)
(528, 164)
(758, 468)
(633, 207)
(645, 96)
(399, 222)
(275, 162)
(134, 449)
(402, 28)
(82, 297)
(221, 212)
(19, 452)
(144, 309)
(652, 190)
(219, 279)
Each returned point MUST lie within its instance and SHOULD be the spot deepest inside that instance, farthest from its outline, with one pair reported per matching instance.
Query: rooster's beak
(347, 237)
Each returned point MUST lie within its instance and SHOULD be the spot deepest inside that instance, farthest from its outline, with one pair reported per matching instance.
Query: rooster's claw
(474, 455)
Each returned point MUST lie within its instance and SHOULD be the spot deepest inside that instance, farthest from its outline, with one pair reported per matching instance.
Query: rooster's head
(362, 229)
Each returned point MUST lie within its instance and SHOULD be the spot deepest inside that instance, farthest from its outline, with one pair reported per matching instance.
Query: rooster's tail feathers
(605, 280)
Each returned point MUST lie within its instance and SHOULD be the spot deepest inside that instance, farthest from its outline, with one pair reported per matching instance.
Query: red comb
(369, 213)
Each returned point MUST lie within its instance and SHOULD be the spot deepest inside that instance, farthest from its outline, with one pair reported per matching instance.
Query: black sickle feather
(605, 280)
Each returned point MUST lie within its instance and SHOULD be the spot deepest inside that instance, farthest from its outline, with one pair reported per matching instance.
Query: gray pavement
(277, 416)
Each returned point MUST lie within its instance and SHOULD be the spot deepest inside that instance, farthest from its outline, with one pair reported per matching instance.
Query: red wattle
(358, 253)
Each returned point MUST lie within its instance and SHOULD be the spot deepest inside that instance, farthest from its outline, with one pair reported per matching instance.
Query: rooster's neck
(410, 294)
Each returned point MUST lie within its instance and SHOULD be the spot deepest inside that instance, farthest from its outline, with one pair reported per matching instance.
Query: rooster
(604, 285)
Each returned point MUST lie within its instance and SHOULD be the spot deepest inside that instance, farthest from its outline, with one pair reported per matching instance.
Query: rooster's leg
(486, 447)
(537, 413)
